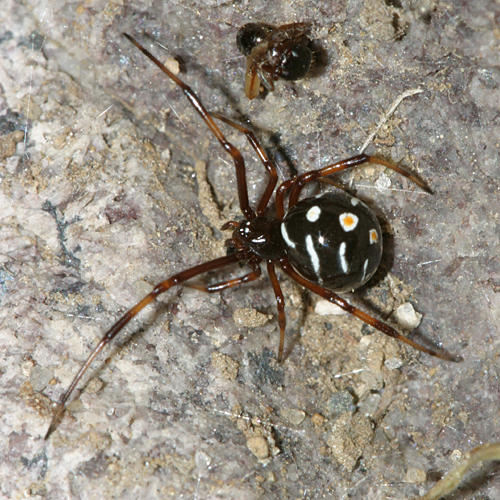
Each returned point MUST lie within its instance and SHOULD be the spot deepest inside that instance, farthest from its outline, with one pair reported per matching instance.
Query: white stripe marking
(312, 253)
(312, 215)
(284, 233)
(354, 201)
(365, 267)
(343, 260)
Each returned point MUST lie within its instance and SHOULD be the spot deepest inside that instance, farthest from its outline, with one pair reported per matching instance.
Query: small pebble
(245, 316)
(258, 446)
(293, 416)
(318, 420)
(393, 363)
(456, 456)
(383, 182)
(407, 317)
(369, 405)
(226, 365)
(40, 378)
(415, 475)
(341, 402)
(325, 308)
(173, 65)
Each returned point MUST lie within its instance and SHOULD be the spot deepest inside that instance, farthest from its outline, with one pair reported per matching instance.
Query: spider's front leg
(231, 283)
(195, 101)
(266, 161)
(160, 288)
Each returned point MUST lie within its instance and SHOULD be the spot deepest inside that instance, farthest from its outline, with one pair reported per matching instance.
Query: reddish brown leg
(239, 164)
(280, 196)
(334, 168)
(280, 302)
(218, 287)
(379, 325)
(131, 313)
(268, 164)
(297, 183)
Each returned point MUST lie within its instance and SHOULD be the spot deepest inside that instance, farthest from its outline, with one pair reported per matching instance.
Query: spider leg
(266, 161)
(239, 164)
(366, 318)
(280, 302)
(160, 288)
(280, 196)
(286, 185)
(218, 287)
(303, 179)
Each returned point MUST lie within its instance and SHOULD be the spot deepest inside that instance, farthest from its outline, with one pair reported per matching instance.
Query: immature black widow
(328, 242)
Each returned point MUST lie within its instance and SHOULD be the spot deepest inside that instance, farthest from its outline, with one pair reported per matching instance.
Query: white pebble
(324, 308)
(407, 317)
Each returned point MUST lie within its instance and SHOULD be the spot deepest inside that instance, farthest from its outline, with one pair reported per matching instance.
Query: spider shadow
(293, 337)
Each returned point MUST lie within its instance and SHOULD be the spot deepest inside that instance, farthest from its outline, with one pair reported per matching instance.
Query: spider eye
(250, 35)
(296, 62)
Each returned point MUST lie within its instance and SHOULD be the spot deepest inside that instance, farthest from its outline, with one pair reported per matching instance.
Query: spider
(274, 52)
(328, 243)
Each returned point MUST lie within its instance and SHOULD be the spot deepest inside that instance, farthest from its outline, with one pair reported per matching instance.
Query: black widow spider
(329, 242)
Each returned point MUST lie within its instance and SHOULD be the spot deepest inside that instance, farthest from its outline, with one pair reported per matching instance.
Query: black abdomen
(334, 240)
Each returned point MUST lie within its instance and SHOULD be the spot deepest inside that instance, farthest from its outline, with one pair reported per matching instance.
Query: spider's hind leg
(365, 317)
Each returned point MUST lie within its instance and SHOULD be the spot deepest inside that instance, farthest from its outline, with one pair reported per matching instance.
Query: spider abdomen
(334, 240)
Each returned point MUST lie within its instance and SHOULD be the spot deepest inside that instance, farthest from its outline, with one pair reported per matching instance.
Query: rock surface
(103, 194)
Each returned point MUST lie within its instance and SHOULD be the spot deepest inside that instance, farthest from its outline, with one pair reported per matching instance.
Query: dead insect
(274, 52)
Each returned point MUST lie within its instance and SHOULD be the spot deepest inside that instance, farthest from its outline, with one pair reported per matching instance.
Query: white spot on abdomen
(312, 215)
(343, 260)
(287, 239)
(313, 255)
(354, 201)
